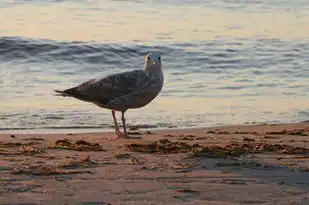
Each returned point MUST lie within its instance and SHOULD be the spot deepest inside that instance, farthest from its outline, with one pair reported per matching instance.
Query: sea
(225, 62)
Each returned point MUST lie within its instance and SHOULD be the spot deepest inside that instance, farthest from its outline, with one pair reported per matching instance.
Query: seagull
(122, 91)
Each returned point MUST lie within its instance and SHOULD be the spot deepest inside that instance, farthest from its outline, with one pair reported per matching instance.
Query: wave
(200, 56)
(15, 48)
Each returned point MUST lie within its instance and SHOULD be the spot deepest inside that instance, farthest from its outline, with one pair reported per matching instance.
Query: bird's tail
(61, 93)
(71, 92)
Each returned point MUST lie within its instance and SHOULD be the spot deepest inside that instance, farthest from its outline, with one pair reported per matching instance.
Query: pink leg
(116, 124)
(125, 134)
(124, 123)
(117, 131)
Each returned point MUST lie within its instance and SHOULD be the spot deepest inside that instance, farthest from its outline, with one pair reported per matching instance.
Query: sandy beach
(250, 164)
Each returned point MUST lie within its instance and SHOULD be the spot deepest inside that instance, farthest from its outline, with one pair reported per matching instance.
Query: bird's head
(153, 61)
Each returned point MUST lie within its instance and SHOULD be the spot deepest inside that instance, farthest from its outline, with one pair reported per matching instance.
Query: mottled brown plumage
(122, 91)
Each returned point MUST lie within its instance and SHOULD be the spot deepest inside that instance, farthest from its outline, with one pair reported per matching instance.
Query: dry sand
(259, 164)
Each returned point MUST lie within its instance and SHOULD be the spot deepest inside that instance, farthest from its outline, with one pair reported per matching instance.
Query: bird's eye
(159, 58)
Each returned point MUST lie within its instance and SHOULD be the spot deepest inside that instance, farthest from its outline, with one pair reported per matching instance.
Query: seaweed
(24, 150)
(122, 156)
(237, 150)
(134, 160)
(141, 126)
(248, 139)
(163, 146)
(27, 150)
(245, 133)
(190, 137)
(219, 152)
(80, 145)
(224, 132)
(282, 132)
(139, 133)
(16, 144)
(79, 164)
(232, 149)
(300, 132)
(135, 133)
(188, 191)
(43, 170)
(33, 139)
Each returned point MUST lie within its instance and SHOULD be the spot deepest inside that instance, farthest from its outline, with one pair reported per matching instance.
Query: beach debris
(169, 135)
(182, 167)
(246, 133)
(237, 150)
(217, 131)
(44, 170)
(135, 133)
(216, 151)
(149, 132)
(300, 132)
(224, 132)
(150, 168)
(133, 128)
(16, 144)
(233, 149)
(86, 159)
(122, 156)
(139, 133)
(248, 139)
(271, 137)
(78, 164)
(188, 191)
(28, 150)
(163, 146)
(190, 137)
(283, 132)
(246, 164)
(80, 145)
(302, 169)
(185, 137)
(234, 181)
(33, 139)
(23, 150)
(134, 160)
(284, 149)
(141, 126)
(95, 203)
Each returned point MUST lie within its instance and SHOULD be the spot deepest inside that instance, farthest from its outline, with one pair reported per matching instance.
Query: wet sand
(256, 164)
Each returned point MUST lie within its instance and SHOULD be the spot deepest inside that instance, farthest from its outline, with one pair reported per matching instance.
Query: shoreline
(106, 130)
(210, 165)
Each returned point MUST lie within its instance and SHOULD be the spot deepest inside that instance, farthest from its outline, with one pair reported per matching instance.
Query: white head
(153, 62)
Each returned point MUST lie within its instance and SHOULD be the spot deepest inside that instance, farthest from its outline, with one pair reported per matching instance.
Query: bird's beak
(154, 63)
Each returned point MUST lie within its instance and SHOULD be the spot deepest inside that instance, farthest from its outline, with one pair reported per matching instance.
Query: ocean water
(225, 62)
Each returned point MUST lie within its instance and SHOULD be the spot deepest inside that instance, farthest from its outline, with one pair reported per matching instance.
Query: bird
(122, 91)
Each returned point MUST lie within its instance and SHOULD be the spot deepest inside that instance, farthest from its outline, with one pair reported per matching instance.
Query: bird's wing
(103, 90)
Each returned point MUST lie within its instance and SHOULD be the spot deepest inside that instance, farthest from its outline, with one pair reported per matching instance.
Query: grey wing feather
(103, 90)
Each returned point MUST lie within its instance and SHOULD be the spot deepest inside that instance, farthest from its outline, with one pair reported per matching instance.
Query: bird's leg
(124, 124)
(117, 131)
(116, 124)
